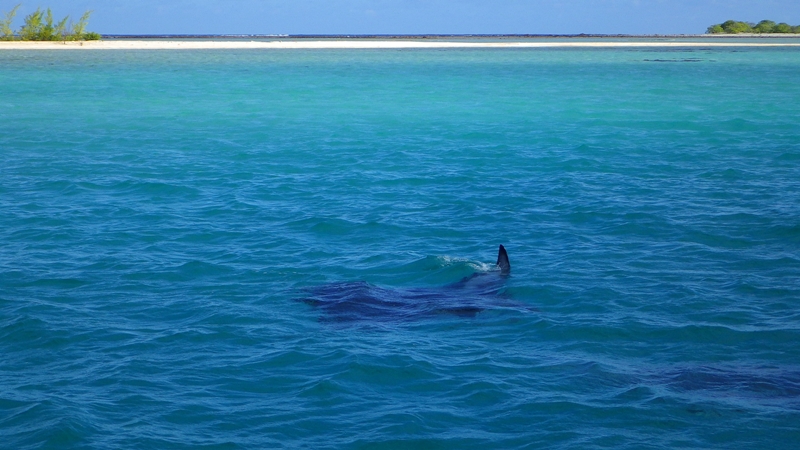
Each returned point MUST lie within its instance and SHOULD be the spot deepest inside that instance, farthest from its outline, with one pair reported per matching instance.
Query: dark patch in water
(730, 382)
(362, 301)
(678, 60)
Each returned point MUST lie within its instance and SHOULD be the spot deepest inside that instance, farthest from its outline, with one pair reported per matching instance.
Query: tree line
(40, 26)
(765, 26)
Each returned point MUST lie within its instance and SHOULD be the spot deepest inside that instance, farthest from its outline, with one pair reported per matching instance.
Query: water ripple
(155, 237)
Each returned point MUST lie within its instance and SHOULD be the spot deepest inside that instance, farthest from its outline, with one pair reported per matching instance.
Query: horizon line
(436, 35)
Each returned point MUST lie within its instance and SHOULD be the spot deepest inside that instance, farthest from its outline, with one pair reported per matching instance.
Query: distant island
(40, 26)
(763, 27)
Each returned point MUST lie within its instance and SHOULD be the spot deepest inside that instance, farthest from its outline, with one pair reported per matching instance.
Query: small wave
(448, 261)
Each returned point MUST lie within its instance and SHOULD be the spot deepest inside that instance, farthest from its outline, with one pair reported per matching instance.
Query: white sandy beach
(358, 44)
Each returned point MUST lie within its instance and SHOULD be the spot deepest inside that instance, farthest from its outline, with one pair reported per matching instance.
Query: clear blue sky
(411, 16)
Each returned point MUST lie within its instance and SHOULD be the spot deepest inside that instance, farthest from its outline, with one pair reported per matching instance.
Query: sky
(411, 16)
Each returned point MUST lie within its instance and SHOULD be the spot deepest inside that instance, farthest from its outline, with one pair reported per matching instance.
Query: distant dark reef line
(423, 36)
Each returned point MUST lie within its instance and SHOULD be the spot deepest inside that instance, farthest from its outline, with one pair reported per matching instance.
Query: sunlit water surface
(162, 212)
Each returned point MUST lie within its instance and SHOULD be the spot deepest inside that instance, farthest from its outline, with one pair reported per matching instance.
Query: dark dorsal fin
(502, 261)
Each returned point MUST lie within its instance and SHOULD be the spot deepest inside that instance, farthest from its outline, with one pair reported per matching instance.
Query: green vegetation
(765, 26)
(40, 26)
(6, 33)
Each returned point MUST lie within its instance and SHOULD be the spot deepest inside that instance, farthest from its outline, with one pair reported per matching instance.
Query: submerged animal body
(361, 301)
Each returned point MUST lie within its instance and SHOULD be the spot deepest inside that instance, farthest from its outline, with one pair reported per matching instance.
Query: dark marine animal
(362, 301)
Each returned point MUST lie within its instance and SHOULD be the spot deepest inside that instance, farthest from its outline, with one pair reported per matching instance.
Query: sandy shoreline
(356, 44)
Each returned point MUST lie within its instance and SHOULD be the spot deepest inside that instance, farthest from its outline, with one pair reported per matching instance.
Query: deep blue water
(163, 211)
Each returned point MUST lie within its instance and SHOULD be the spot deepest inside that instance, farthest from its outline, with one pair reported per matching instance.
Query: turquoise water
(163, 211)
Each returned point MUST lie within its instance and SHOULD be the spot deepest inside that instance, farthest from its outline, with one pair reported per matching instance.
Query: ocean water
(162, 212)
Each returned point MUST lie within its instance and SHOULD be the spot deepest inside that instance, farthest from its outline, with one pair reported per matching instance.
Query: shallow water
(163, 211)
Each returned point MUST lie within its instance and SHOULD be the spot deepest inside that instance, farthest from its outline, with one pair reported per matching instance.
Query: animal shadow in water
(360, 301)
